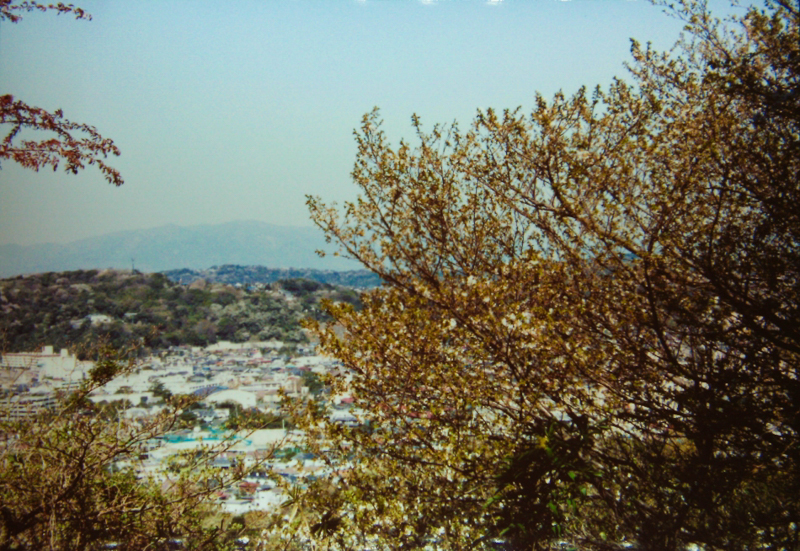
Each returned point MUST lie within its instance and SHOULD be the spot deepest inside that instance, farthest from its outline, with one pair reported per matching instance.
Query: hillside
(71, 308)
(173, 247)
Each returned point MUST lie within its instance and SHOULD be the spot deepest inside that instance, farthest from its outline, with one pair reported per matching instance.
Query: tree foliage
(74, 144)
(70, 477)
(588, 331)
(12, 12)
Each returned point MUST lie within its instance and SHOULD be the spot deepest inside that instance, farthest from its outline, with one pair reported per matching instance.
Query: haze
(234, 111)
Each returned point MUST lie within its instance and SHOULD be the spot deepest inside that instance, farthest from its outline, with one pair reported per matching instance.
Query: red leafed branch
(74, 144)
(77, 145)
(11, 11)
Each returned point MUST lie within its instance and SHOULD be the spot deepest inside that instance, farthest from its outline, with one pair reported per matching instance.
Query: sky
(231, 111)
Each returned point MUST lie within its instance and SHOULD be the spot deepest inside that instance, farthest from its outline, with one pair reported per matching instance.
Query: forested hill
(72, 308)
(233, 274)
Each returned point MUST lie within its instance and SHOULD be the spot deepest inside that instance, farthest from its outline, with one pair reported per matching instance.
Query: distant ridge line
(244, 243)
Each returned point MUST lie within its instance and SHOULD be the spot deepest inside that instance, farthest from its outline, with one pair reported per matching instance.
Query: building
(29, 367)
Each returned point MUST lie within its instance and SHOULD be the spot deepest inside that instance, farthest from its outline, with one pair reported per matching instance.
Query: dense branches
(590, 325)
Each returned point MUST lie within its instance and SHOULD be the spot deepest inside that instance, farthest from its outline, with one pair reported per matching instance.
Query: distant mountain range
(174, 247)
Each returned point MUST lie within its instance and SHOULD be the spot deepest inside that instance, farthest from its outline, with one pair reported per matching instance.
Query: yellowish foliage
(589, 329)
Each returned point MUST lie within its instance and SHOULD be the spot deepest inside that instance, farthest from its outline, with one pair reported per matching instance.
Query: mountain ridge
(173, 247)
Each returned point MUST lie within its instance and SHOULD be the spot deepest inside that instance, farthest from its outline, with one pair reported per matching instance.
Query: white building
(46, 365)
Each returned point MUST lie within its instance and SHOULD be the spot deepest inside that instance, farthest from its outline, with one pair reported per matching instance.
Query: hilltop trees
(74, 144)
(57, 308)
(589, 325)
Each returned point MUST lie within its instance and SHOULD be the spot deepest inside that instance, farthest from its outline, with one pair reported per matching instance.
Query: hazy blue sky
(236, 110)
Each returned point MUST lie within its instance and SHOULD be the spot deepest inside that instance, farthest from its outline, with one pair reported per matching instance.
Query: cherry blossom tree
(588, 329)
